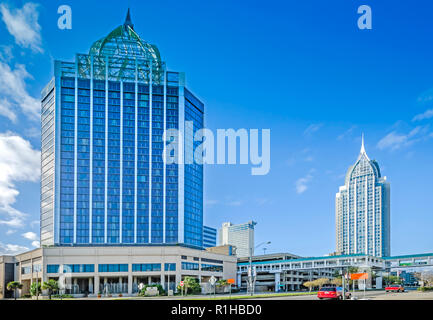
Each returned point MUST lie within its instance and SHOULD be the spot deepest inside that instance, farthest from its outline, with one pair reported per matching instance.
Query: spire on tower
(362, 144)
(128, 21)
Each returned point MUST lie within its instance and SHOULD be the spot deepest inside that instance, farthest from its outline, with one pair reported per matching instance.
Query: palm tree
(51, 286)
(35, 289)
(14, 285)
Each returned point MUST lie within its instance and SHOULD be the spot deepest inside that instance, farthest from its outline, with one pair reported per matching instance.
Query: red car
(394, 288)
(332, 293)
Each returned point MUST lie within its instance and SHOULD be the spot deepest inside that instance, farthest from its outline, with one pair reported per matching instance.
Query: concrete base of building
(106, 270)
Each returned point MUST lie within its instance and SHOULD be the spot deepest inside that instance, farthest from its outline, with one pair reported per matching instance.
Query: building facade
(209, 237)
(287, 272)
(117, 269)
(104, 181)
(240, 236)
(362, 209)
(7, 274)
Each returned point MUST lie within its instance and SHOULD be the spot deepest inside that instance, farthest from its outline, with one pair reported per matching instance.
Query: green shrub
(63, 296)
(192, 286)
(425, 289)
(33, 288)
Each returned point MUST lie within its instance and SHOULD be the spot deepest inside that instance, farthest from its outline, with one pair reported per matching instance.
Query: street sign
(212, 280)
(182, 284)
(359, 276)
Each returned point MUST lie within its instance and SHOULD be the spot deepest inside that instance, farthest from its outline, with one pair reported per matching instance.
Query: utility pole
(250, 272)
(343, 274)
(37, 286)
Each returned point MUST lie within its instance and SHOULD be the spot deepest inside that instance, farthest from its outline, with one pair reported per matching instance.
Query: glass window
(77, 268)
(53, 268)
(113, 268)
(190, 266)
(170, 267)
(211, 267)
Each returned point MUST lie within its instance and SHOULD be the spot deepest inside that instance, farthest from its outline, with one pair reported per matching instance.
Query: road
(369, 295)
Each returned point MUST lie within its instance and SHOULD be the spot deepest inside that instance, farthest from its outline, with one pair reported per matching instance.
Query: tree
(392, 280)
(320, 282)
(222, 283)
(353, 269)
(350, 271)
(337, 281)
(190, 284)
(51, 286)
(309, 285)
(14, 286)
(425, 277)
(35, 287)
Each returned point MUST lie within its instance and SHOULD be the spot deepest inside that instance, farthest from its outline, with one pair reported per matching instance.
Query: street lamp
(250, 275)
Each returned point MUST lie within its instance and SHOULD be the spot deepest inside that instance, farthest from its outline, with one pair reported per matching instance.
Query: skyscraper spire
(362, 144)
(128, 21)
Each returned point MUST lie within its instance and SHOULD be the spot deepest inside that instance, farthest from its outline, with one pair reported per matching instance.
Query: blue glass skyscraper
(209, 237)
(104, 181)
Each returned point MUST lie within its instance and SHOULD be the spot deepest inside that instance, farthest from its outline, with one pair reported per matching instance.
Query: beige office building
(87, 271)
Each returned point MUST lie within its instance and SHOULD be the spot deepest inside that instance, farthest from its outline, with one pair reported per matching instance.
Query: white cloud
(36, 244)
(302, 183)
(33, 132)
(263, 201)
(11, 249)
(10, 231)
(312, 128)
(394, 140)
(23, 25)
(35, 223)
(18, 162)
(14, 93)
(423, 116)
(30, 235)
(291, 161)
(309, 159)
(6, 53)
(235, 203)
(211, 202)
(228, 202)
(301, 156)
(6, 110)
(426, 97)
(346, 133)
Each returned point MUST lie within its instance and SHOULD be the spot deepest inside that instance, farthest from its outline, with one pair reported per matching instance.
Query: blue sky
(302, 69)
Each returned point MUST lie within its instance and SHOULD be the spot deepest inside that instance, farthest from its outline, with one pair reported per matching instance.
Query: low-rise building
(119, 270)
(288, 272)
(7, 274)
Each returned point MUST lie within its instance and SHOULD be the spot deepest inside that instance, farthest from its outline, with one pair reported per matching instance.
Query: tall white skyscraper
(362, 210)
(241, 236)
